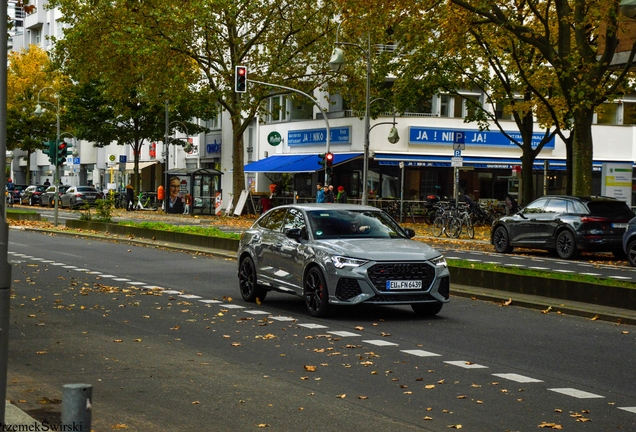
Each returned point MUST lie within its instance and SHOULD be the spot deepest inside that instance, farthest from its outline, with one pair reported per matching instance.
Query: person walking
(47, 183)
(342, 195)
(320, 193)
(329, 196)
(130, 198)
(10, 192)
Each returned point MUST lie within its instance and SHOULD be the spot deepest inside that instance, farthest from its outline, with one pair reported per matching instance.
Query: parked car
(77, 196)
(629, 242)
(47, 198)
(31, 195)
(565, 225)
(340, 254)
(17, 193)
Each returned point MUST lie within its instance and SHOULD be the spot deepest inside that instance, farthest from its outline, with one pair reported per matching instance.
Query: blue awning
(476, 162)
(295, 163)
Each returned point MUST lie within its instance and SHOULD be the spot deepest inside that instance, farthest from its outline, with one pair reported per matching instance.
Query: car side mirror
(294, 233)
(410, 233)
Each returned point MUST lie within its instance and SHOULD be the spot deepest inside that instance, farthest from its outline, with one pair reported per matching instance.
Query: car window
(330, 224)
(274, 219)
(556, 205)
(86, 189)
(614, 209)
(50, 189)
(535, 206)
(41, 188)
(293, 219)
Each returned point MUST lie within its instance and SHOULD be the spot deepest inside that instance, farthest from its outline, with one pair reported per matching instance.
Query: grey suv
(340, 254)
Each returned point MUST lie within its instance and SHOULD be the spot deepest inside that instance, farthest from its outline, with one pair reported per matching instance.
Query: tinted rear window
(616, 209)
(86, 189)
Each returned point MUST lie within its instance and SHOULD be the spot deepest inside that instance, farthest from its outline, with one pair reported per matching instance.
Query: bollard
(77, 406)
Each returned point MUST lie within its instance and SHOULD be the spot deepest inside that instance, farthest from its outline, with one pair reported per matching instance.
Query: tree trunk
(527, 183)
(582, 153)
(238, 175)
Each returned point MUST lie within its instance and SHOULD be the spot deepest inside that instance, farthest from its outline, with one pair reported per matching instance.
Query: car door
(66, 198)
(524, 224)
(267, 264)
(290, 258)
(548, 220)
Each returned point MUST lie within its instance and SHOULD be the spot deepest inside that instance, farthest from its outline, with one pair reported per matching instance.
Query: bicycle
(462, 219)
(146, 201)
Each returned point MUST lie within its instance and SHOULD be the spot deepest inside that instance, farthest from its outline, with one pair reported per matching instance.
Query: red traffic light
(240, 79)
(329, 159)
(62, 146)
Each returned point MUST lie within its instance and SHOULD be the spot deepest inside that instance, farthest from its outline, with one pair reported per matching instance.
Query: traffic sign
(458, 153)
(122, 158)
(459, 138)
(457, 162)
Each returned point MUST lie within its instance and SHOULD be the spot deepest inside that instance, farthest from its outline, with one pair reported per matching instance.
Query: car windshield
(86, 189)
(331, 224)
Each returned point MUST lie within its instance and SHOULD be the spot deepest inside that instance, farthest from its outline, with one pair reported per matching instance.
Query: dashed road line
(517, 377)
(282, 318)
(257, 312)
(233, 306)
(343, 333)
(313, 326)
(380, 342)
(628, 409)
(421, 353)
(579, 394)
(190, 296)
(210, 301)
(466, 364)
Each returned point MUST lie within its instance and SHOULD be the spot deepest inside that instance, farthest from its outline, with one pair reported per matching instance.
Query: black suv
(565, 225)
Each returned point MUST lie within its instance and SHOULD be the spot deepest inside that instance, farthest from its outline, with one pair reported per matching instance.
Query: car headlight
(341, 262)
(439, 261)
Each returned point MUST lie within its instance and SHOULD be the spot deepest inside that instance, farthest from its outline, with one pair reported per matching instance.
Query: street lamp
(38, 112)
(628, 8)
(336, 62)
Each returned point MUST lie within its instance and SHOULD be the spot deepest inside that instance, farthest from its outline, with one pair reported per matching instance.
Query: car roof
(329, 206)
(583, 198)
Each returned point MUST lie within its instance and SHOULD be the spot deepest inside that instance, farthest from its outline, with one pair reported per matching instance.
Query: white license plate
(403, 284)
(619, 225)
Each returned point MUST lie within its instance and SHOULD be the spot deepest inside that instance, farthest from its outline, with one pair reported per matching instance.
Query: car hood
(383, 249)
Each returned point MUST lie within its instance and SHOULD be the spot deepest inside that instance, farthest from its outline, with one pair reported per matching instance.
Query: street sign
(274, 138)
(457, 162)
(458, 153)
(459, 140)
(76, 161)
(122, 158)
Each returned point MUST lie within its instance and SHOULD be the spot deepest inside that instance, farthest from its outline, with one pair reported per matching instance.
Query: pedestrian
(130, 198)
(47, 183)
(329, 196)
(320, 193)
(342, 195)
(511, 205)
(187, 199)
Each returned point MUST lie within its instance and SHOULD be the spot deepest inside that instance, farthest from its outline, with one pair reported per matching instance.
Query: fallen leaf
(118, 340)
(363, 397)
(457, 426)
(309, 368)
(595, 317)
(427, 418)
(545, 425)
(342, 396)
(195, 403)
(507, 302)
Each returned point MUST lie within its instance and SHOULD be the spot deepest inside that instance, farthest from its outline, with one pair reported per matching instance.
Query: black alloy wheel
(501, 240)
(250, 290)
(316, 294)
(631, 252)
(566, 245)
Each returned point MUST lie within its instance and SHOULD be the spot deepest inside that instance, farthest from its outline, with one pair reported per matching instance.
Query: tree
(200, 43)
(29, 74)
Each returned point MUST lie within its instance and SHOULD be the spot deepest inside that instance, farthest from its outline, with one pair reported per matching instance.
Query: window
(293, 219)
(274, 220)
(629, 113)
(215, 122)
(536, 206)
(606, 114)
(278, 108)
(472, 104)
(556, 206)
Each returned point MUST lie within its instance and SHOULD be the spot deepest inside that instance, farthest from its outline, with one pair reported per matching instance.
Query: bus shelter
(193, 190)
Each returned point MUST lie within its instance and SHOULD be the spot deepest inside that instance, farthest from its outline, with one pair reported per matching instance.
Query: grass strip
(185, 229)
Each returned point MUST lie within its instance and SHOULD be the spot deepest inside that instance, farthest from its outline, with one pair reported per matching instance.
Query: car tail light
(588, 219)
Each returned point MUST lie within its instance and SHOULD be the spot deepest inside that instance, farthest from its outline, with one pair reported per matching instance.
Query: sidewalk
(16, 419)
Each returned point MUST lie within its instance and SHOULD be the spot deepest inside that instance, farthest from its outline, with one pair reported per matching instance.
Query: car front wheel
(501, 240)
(566, 245)
(316, 294)
(250, 290)
(427, 309)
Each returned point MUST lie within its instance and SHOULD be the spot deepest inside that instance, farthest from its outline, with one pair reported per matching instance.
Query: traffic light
(50, 150)
(240, 79)
(329, 162)
(322, 160)
(62, 152)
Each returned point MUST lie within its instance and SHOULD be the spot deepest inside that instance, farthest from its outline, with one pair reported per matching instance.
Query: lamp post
(38, 112)
(628, 8)
(336, 62)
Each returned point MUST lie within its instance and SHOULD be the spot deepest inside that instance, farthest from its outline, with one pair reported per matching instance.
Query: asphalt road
(168, 344)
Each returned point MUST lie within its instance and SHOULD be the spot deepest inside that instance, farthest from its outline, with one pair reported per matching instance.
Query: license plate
(619, 225)
(403, 284)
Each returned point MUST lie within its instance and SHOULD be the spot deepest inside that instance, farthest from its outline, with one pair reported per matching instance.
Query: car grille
(404, 298)
(347, 289)
(380, 273)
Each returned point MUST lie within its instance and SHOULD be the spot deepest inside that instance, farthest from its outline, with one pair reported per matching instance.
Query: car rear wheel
(501, 240)
(31, 201)
(250, 290)
(316, 294)
(427, 309)
(631, 252)
(566, 245)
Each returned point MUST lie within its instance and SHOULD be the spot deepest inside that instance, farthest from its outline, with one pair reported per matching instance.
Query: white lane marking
(282, 318)
(379, 342)
(121, 280)
(80, 269)
(591, 274)
(492, 262)
(466, 365)
(210, 301)
(621, 277)
(150, 287)
(58, 264)
(453, 257)
(232, 306)
(48, 261)
(516, 377)
(628, 409)
(70, 267)
(580, 394)
(514, 265)
(343, 333)
(108, 276)
(564, 271)
(136, 283)
(562, 262)
(538, 268)
(312, 326)
(38, 259)
(421, 353)
(257, 312)
(473, 260)
(171, 292)
(92, 272)
(518, 258)
(190, 296)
